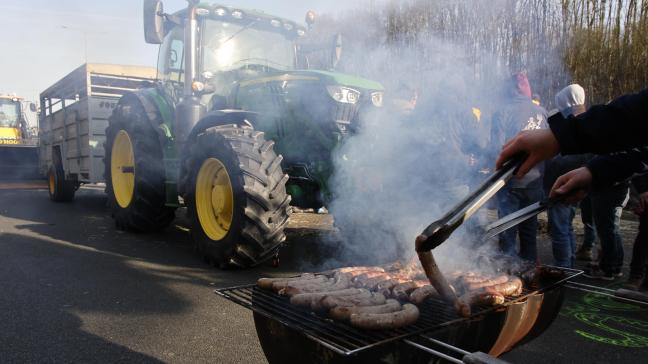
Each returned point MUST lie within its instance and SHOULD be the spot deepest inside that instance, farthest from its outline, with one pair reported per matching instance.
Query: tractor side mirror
(32, 107)
(336, 51)
(153, 21)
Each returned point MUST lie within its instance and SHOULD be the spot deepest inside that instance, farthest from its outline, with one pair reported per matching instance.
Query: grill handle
(464, 357)
(623, 295)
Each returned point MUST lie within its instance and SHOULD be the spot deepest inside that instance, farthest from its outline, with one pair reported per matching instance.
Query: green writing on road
(605, 328)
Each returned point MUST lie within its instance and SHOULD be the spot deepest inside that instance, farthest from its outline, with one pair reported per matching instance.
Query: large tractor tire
(134, 170)
(236, 196)
(60, 189)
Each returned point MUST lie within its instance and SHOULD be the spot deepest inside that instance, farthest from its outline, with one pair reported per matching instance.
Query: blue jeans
(511, 200)
(607, 206)
(587, 217)
(561, 231)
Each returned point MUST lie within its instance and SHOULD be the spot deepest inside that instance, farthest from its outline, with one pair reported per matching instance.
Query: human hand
(643, 203)
(539, 145)
(572, 186)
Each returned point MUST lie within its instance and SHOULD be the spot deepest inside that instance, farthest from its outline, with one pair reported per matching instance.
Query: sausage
(477, 298)
(370, 283)
(306, 299)
(342, 313)
(487, 282)
(553, 273)
(292, 289)
(372, 299)
(266, 283)
(433, 272)
(385, 287)
(279, 285)
(334, 284)
(352, 269)
(319, 305)
(385, 321)
(511, 288)
(360, 280)
(475, 278)
(401, 291)
(422, 293)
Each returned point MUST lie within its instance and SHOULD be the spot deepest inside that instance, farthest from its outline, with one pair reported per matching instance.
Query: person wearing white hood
(606, 204)
(569, 101)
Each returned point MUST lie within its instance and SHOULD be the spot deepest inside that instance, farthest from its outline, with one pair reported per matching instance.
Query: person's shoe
(596, 273)
(633, 283)
(584, 254)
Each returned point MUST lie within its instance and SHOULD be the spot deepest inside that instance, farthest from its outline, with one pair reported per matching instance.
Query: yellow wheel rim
(51, 182)
(122, 169)
(214, 199)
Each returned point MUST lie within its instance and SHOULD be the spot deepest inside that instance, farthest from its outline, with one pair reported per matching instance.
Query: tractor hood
(323, 77)
(343, 79)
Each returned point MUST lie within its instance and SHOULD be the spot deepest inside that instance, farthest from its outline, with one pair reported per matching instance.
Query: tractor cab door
(171, 63)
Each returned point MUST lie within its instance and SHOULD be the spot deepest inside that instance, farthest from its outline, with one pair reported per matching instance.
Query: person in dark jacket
(584, 252)
(519, 114)
(590, 132)
(639, 263)
(570, 100)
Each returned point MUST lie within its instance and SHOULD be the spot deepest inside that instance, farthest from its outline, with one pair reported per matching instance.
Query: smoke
(405, 168)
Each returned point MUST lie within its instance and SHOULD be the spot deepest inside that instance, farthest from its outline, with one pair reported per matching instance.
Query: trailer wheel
(236, 196)
(134, 170)
(60, 189)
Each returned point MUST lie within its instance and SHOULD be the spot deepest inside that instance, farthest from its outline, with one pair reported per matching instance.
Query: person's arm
(610, 169)
(641, 183)
(622, 124)
(601, 172)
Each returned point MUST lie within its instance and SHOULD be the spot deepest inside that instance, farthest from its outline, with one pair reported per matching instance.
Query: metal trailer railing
(74, 116)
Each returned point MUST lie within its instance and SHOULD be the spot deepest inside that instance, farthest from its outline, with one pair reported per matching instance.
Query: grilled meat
(343, 313)
(386, 321)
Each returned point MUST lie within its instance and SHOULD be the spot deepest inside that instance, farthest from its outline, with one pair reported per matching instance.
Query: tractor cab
(11, 125)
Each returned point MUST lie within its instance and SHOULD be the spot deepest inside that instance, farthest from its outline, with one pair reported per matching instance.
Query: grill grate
(347, 340)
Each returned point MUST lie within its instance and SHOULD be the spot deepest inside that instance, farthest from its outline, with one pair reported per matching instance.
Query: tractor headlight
(343, 94)
(220, 11)
(377, 98)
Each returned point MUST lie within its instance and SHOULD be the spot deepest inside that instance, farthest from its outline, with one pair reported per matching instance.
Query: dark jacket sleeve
(641, 183)
(610, 169)
(620, 125)
(562, 164)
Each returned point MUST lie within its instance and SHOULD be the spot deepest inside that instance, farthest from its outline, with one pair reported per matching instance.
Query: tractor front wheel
(236, 196)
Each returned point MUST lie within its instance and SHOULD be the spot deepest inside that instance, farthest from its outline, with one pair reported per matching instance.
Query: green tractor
(234, 130)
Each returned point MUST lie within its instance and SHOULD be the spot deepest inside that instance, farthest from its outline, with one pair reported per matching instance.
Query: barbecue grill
(288, 333)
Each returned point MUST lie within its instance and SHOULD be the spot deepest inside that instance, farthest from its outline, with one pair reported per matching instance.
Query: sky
(43, 40)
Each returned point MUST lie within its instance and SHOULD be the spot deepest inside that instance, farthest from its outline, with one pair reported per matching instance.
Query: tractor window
(171, 58)
(9, 113)
(229, 46)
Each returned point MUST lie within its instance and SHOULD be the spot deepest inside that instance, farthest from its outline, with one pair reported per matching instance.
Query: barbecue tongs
(439, 231)
(515, 218)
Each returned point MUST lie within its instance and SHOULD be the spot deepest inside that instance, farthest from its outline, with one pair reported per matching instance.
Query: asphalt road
(75, 289)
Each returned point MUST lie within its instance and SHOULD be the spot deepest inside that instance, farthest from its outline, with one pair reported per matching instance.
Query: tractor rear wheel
(134, 170)
(236, 196)
(60, 189)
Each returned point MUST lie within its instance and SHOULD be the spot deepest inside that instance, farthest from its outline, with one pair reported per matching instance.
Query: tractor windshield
(229, 46)
(9, 113)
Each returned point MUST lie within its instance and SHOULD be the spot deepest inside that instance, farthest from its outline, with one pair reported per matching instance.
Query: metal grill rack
(347, 340)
